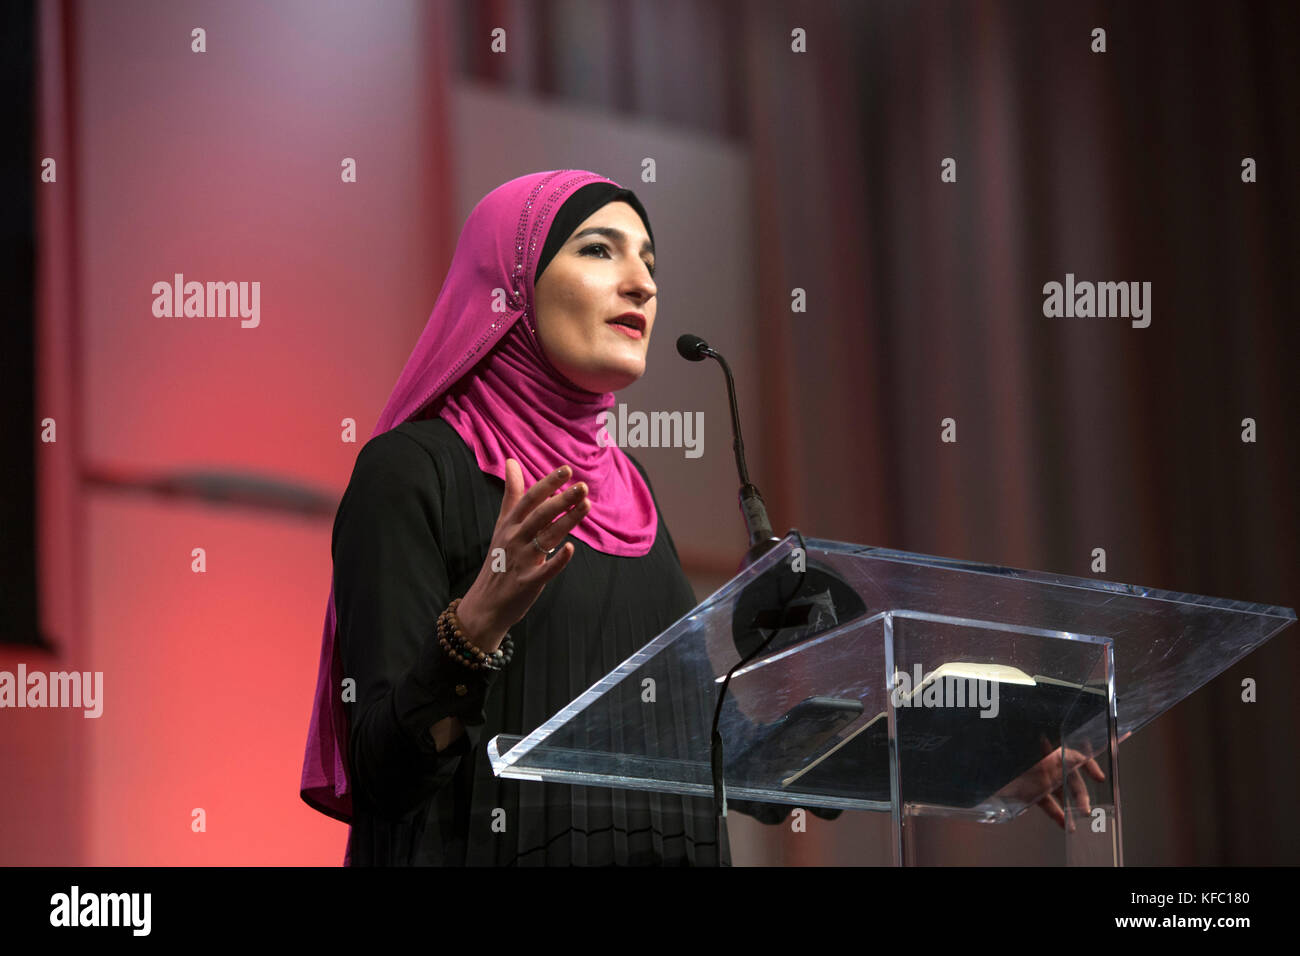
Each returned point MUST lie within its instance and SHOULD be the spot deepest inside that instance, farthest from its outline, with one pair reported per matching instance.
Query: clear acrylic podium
(916, 686)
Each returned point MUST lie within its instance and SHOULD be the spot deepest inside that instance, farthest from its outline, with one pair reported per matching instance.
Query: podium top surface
(814, 716)
(1167, 644)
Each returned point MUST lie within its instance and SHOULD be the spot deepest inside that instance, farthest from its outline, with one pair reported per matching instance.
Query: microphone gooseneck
(778, 608)
(752, 509)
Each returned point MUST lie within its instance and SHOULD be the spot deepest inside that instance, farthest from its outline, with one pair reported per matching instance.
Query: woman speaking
(460, 608)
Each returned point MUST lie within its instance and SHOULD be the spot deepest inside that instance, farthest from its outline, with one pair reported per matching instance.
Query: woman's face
(595, 278)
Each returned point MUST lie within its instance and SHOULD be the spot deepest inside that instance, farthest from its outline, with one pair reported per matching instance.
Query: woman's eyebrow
(610, 233)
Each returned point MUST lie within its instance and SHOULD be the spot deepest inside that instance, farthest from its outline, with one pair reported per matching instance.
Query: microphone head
(691, 347)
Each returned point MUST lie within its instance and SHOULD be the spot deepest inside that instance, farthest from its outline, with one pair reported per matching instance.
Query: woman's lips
(631, 333)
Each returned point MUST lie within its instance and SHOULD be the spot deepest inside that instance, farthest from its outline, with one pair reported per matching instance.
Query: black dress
(411, 533)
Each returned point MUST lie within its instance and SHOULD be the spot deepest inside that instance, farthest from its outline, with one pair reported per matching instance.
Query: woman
(547, 310)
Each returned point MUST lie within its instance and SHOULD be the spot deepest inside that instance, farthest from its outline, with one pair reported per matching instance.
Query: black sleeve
(390, 585)
(668, 536)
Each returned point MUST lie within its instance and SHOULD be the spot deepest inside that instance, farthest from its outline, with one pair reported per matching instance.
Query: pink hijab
(515, 405)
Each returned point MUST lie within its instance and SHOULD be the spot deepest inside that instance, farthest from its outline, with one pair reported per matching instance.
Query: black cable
(715, 745)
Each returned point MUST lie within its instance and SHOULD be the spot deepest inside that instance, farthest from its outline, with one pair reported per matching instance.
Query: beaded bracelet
(451, 636)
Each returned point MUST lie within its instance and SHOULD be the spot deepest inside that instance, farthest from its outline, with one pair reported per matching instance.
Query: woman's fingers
(1053, 809)
(545, 513)
(536, 494)
(553, 532)
(514, 489)
(550, 567)
(1050, 767)
(509, 595)
(1075, 760)
(1079, 790)
(567, 521)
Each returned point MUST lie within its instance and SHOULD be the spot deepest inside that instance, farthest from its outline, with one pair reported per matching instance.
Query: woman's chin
(611, 377)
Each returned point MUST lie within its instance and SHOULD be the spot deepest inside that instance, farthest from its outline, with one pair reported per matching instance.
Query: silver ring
(538, 546)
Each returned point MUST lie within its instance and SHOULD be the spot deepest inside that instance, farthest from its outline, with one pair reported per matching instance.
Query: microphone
(792, 606)
(761, 540)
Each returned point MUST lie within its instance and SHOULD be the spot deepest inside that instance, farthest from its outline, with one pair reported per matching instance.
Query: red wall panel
(224, 166)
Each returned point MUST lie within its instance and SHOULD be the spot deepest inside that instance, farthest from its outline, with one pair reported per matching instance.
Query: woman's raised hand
(512, 579)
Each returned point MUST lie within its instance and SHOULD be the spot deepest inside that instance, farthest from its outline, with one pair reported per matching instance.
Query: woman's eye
(604, 249)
